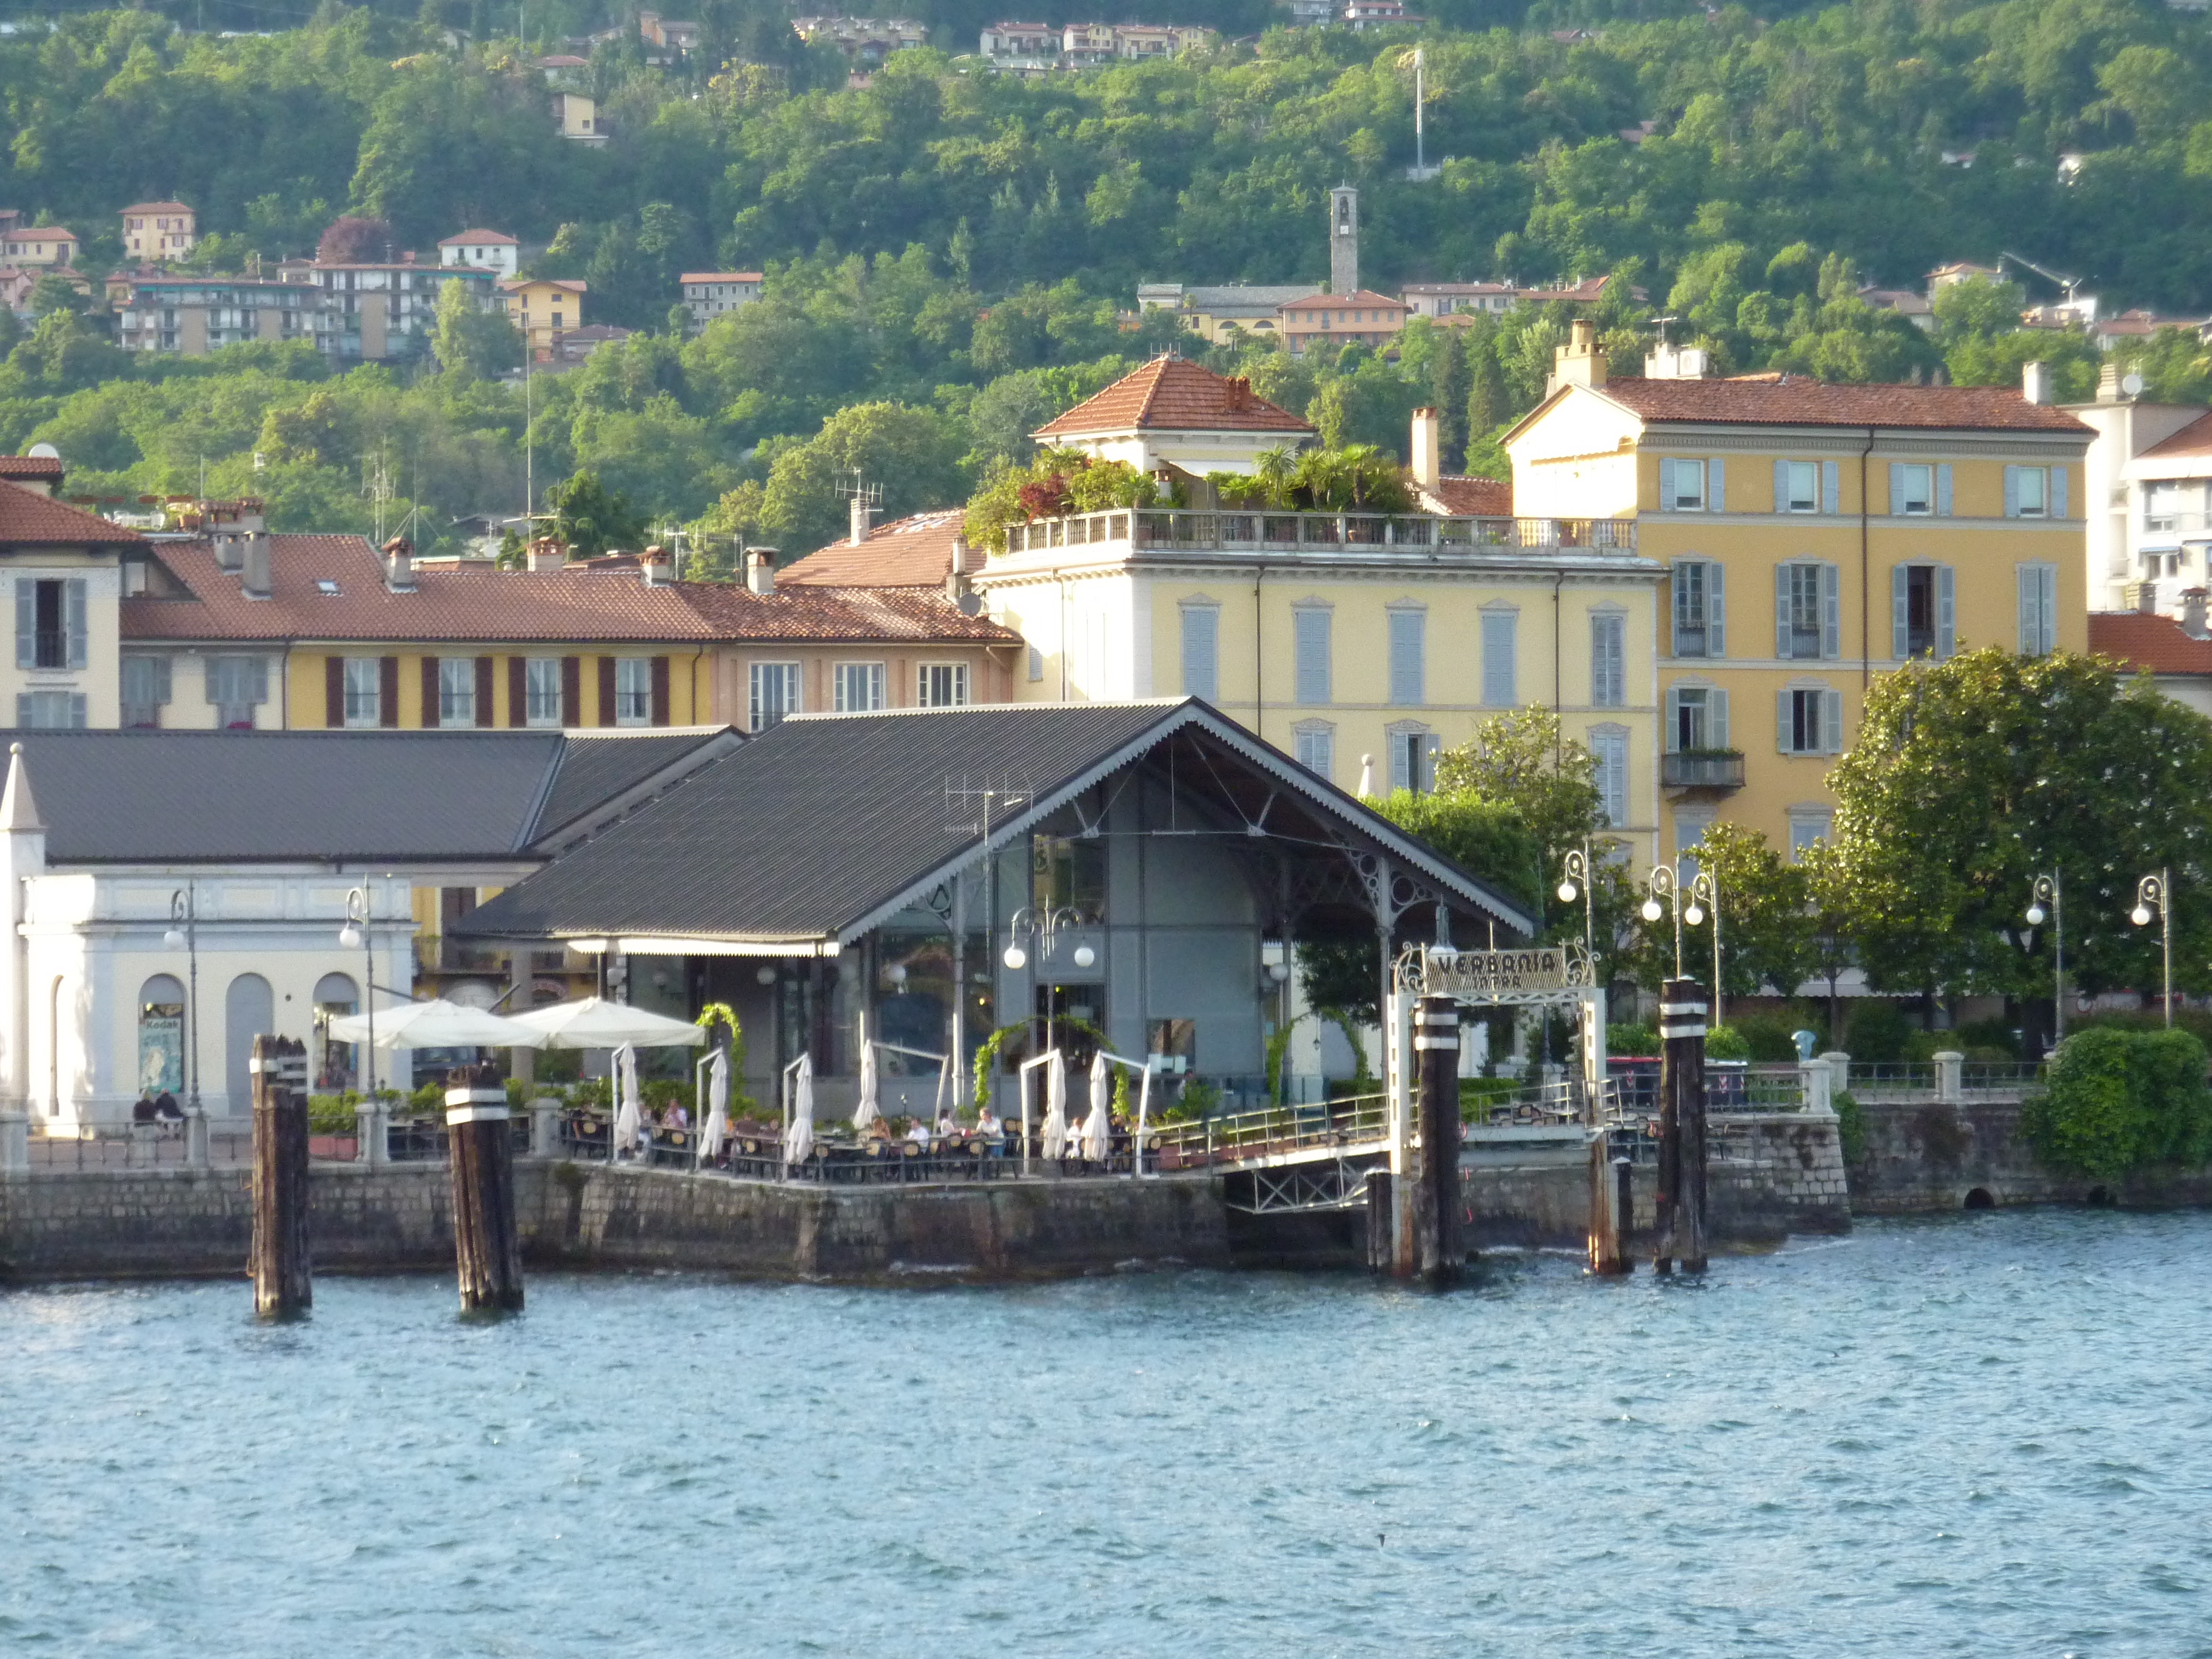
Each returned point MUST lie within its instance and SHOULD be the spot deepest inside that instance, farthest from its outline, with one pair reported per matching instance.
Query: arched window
(249, 1010)
(336, 995)
(161, 1036)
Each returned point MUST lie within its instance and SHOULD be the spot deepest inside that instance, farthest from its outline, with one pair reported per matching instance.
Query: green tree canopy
(592, 519)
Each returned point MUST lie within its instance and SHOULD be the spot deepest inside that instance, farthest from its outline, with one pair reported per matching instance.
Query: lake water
(1987, 1435)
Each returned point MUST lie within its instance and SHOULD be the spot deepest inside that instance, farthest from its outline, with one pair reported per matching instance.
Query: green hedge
(2122, 1101)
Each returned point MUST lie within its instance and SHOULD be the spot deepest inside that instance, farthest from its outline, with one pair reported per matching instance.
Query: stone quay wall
(1929, 1155)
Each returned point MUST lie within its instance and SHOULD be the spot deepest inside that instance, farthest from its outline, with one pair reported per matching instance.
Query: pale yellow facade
(1363, 663)
(1802, 562)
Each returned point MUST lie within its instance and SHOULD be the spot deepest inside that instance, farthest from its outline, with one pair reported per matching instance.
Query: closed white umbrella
(716, 1129)
(799, 1140)
(1102, 1103)
(595, 1023)
(870, 1108)
(1055, 1106)
(630, 1118)
(436, 1025)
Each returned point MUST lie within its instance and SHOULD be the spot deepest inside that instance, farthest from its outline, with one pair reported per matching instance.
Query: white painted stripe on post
(1450, 1043)
(1697, 1031)
(475, 1115)
(1666, 1008)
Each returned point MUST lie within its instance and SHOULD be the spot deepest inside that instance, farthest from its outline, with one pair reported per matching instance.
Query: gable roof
(911, 552)
(1798, 400)
(120, 797)
(1170, 394)
(917, 615)
(157, 207)
(28, 515)
(2141, 639)
(31, 467)
(816, 831)
(480, 238)
(720, 276)
(1363, 296)
(1469, 497)
(2195, 439)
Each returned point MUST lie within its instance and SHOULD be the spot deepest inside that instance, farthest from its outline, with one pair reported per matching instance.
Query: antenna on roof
(865, 501)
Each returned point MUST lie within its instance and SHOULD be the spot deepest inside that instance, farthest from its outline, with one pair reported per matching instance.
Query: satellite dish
(2130, 383)
(44, 452)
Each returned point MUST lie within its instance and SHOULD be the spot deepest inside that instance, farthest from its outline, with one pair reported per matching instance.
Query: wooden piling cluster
(1439, 1205)
(283, 1276)
(487, 1249)
(1612, 1206)
(1681, 1218)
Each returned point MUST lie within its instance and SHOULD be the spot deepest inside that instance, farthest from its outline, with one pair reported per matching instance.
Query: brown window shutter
(606, 690)
(429, 692)
(387, 690)
(660, 690)
(517, 693)
(572, 691)
(334, 691)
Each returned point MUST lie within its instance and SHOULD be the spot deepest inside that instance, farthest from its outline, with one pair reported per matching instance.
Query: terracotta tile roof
(1169, 394)
(1366, 296)
(2195, 439)
(480, 238)
(720, 276)
(607, 602)
(1794, 400)
(568, 284)
(2144, 641)
(1473, 498)
(915, 552)
(31, 467)
(27, 516)
(157, 207)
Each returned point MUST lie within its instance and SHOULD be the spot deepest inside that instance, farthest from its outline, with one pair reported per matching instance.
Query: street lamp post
(1663, 884)
(1576, 881)
(1706, 894)
(1039, 924)
(184, 934)
(2155, 893)
(357, 930)
(2046, 900)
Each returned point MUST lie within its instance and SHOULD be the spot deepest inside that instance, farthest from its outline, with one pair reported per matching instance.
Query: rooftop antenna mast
(1420, 171)
(864, 500)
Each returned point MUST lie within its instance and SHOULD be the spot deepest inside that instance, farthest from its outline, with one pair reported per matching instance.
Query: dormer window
(328, 588)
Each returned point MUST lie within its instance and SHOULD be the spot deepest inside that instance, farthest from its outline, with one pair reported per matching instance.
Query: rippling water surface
(1986, 1436)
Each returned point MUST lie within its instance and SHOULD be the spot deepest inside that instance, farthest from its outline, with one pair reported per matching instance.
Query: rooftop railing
(1323, 532)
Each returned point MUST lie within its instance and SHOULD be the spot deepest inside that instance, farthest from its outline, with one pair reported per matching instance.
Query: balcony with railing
(1702, 769)
(1321, 533)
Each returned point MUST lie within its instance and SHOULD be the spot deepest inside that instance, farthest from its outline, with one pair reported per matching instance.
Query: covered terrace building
(921, 878)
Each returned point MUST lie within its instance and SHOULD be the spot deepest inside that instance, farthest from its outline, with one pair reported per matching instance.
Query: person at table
(675, 1117)
(947, 1124)
(988, 1127)
(918, 1132)
(880, 1129)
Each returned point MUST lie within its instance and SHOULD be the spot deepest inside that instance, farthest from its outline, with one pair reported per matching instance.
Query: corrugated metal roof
(253, 797)
(811, 830)
(596, 767)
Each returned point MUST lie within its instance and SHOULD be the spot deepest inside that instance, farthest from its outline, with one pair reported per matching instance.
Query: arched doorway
(161, 1037)
(249, 1010)
(336, 996)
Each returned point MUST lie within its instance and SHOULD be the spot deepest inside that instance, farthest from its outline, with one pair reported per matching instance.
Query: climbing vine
(720, 1013)
(1279, 1052)
(988, 1056)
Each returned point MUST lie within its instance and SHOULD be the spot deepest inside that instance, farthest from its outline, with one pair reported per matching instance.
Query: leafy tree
(356, 240)
(1450, 385)
(592, 519)
(51, 294)
(470, 341)
(913, 454)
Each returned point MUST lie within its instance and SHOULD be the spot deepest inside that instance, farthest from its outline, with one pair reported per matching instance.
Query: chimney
(1428, 449)
(230, 553)
(256, 575)
(2146, 596)
(2035, 382)
(547, 553)
(1674, 363)
(760, 570)
(2192, 613)
(653, 566)
(2108, 385)
(1579, 362)
(399, 565)
(956, 585)
(864, 514)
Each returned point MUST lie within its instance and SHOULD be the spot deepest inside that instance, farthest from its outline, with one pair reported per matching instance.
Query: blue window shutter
(1831, 488)
(1896, 488)
(1831, 721)
(1782, 486)
(2031, 598)
(1717, 485)
(1666, 485)
(1782, 609)
(1200, 651)
(2050, 581)
(2012, 492)
(1947, 639)
(1785, 739)
(1717, 718)
(1943, 490)
(1899, 638)
(1716, 609)
(1831, 610)
(22, 710)
(2057, 502)
(1408, 688)
(1671, 737)
(74, 602)
(1312, 653)
(77, 710)
(26, 623)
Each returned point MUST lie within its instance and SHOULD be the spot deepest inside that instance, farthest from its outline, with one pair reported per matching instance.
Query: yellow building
(1813, 536)
(1360, 643)
(159, 230)
(545, 308)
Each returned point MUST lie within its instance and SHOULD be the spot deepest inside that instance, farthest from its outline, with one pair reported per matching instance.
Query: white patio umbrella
(799, 1140)
(435, 1024)
(629, 1119)
(871, 1106)
(716, 1129)
(1102, 1106)
(1055, 1106)
(595, 1023)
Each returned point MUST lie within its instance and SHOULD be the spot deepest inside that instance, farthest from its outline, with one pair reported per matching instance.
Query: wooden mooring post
(283, 1275)
(1440, 1246)
(1382, 1222)
(487, 1253)
(1681, 1218)
(1612, 1206)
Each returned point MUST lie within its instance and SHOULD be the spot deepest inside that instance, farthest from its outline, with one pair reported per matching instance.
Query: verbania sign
(1480, 975)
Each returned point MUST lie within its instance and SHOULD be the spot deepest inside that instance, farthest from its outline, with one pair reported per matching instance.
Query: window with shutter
(2058, 492)
(1315, 748)
(1310, 634)
(1717, 485)
(774, 687)
(1408, 666)
(1943, 490)
(1201, 633)
(1500, 673)
(1797, 610)
(78, 644)
(1608, 747)
(1689, 582)
(1831, 610)
(1608, 659)
(1797, 487)
(1947, 616)
(1831, 488)
(456, 692)
(542, 696)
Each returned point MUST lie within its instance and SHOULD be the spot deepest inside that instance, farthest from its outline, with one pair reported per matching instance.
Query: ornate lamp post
(184, 934)
(357, 930)
(1039, 925)
(1663, 884)
(2046, 900)
(1574, 882)
(2154, 895)
(1706, 894)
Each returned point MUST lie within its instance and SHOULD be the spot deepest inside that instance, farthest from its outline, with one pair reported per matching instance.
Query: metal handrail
(1236, 1137)
(1272, 530)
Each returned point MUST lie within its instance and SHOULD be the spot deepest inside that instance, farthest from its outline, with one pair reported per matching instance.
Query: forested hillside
(954, 244)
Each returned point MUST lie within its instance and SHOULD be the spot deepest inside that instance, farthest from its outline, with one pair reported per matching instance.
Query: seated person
(677, 1117)
(988, 1127)
(917, 1131)
(947, 1124)
(166, 1107)
(144, 1111)
(880, 1129)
